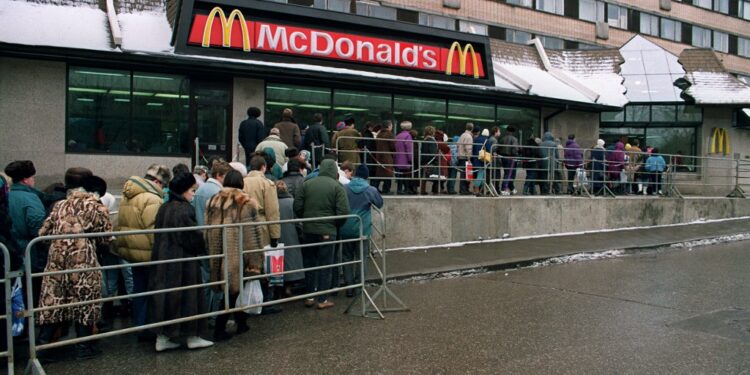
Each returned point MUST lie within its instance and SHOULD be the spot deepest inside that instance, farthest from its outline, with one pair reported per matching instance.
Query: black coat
(252, 132)
(166, 306)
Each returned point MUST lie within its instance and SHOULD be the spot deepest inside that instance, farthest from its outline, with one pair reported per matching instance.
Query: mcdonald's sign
(463, 55)
(720, 142)
(236, 32)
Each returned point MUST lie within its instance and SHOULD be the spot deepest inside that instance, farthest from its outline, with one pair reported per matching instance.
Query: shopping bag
(274, 264)
(250, 295)
(17, 307)
(469, 173)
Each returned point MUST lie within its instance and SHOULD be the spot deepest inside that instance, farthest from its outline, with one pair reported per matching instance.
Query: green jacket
(322, 196)
(27, 212)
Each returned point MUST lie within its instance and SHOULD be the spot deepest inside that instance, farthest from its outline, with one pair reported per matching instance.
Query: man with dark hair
(509, 150)
(252, 132)
(317, 136)
(288, 129)
(294, 176)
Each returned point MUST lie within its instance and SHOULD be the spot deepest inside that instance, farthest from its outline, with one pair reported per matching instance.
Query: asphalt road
(681, 311)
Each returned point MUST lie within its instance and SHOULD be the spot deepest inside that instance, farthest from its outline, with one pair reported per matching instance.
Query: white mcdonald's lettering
(370, 51)
(384, 54)
(226, 25)
(294, 37)
(409, 56)
(340, 47)
(430, 60)
(315, 46)
(273, 39)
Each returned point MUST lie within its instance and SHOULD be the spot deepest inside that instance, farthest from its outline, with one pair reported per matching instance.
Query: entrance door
(210, 119)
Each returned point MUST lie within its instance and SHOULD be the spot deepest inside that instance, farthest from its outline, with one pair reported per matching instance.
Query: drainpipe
(545, 121)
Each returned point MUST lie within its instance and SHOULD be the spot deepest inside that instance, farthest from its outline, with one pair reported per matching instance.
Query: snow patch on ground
(438, 276)
(580, 257)
(712, 241)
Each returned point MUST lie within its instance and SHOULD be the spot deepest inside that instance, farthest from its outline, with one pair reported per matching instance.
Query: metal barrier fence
(367, 303)
(599, 171)
(6, 280)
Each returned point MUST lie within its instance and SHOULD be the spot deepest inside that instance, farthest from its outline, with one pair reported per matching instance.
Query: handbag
(484, 155)
(274, 264)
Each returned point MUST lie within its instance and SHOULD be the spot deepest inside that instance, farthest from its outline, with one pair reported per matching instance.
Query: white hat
(239, 167)
(600, 142)
(485, 133)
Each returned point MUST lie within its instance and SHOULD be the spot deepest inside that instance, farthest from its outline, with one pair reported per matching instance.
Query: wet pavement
(653, 312)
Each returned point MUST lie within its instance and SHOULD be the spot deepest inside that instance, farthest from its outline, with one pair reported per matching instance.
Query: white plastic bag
(273, 259)
(250, 295)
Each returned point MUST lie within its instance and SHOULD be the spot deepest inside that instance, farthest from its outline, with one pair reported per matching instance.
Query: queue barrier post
(8, 275)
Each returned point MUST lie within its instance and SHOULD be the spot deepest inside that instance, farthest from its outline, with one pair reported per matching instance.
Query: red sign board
(235, 32)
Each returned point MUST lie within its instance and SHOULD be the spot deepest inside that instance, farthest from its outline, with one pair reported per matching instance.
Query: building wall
(32, 102)
(585, 125)
(247, 93)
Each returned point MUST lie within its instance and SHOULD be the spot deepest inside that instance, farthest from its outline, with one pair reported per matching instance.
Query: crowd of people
(221, 193)
(475, 160)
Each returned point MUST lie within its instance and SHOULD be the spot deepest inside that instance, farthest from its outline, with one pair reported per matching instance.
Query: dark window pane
(363, 106)
(618, 116)
(637, 113)
(303, 100)
(420, 111)
(160, 113)
(459, 113)
(525, 120)
(689, 113)
(663, 113)
(99, 111)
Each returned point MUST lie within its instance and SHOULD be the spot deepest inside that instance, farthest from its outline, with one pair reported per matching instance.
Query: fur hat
(94, 184)
(160, 172)
(362, 172)
(291, 152)
(75, 176)
(181, 183)
(275, 131)
(20, 169)
(239, 167)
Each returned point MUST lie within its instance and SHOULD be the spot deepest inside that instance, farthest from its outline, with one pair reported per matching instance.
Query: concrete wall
(247, 93)
(32, 101)
(418, 222)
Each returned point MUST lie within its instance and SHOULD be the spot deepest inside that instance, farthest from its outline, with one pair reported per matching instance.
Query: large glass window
(472, 27)
(671, 29)
(617, 16)
(516, 36)
(372, 10)
(420, 111)
(591, 10)
(701, 37)
(303, 100)
(335, 5)
(552, 43)
(744, 10)
(703, 3)
(434, 20)
(689, 113)
(459, 113)
(743, 47)
(674, 141)
(721, 41)
(363, 106)
(525, 120)
(637, 113)
(117, 111)
(721, 6)
(523, 3)
(551, 6)
(649, 24)
(663, 113)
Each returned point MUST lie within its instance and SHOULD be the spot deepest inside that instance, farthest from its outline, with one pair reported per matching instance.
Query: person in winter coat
(275, 144)
(548, 161)
(264, 191)
(252, 132)
(509, 151)
(290, 234)
(598, 163)
(27, 213)
(428, 158)
(368, 144)
(480, 143)
(80, 212)
(177, 213)
(361, 198)
(464, 151)
(209, 189)
(531, 155)
(385, 148)
(615, 164)
(15, 253)
(288, 130)
(444, 158)
(319, 197)
(572, 159)
(346, 146)
(317, 136)
(403, 159)
(655, 166)
(228, 206)
(294, 177)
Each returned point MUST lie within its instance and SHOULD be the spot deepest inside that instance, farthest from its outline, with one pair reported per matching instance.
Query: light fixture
(164, 95)
(87, 100)
(282, 104)
(100, 73)
(314, 106)
(86, 89)
(154, 104)
(122, 100)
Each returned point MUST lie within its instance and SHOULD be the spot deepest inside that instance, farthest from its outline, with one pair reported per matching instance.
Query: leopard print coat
(81, 212)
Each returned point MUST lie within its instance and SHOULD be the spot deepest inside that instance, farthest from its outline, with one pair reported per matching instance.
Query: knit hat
(340, 125)
(181, 183)
(275, 131)
(362, 172)
(406, 125)
(600, 142)
(20, 169)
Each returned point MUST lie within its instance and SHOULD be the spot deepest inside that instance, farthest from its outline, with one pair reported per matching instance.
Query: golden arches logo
(463, 54)
(720, 142)
(226, 25)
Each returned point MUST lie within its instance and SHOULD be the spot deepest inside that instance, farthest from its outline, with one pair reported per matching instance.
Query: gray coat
(290, 237)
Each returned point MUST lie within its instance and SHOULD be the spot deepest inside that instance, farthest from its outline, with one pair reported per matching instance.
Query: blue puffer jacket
(361, 196)
(27, 212)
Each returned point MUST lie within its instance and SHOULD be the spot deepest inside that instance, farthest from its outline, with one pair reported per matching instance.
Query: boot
(220, 332)
(85, 350)
(241, 319)
(46, 332)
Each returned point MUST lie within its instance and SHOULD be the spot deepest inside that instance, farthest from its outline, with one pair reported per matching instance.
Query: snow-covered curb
(507, 238)
(580, 257)
(712, 241)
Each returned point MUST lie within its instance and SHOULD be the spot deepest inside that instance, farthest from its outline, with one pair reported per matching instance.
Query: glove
(274, 242)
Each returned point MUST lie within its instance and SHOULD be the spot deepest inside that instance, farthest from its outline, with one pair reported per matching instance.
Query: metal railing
(597, 172)
(366, 301)
(8, 275)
